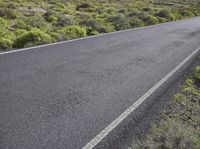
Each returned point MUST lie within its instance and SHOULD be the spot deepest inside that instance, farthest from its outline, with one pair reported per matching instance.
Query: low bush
(197, 73)
(31, 38)
(36, 21)
(5, 43)
(134, 13)
(96, 26)
(185, 13)
(92, 33)
(147, 18)
(19, 24)
(84, 16)
(146, 9)
(170, 134)
(165, 14)
(120, 22)
(84, 5)
(8, 13)
(136, 22)
(71, 32)
(50, 16)
(65, 20)
(3, 23)
(161, 20)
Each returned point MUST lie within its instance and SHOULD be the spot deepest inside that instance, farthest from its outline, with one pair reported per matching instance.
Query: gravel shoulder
(177, 123)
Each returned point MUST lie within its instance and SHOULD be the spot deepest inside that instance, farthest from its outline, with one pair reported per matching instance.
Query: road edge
(107, 130)
(88, 37)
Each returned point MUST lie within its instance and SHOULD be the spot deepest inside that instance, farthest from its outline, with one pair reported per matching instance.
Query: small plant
(84, 5)
(36, 21)
(33, 37)
(64, 20)
(50, 16)
(94, 25)
(19, 24)
(5, 43)
(136, 22)
(165, 14)
(197, 73)
(120, 22)
(71, 32)
(3, 23)
(185, 13)
(170, 134)
(148, 19)
(8, 13)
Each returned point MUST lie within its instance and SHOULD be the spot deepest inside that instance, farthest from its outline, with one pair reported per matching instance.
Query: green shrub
(133, 13)
(161, 20)
(120, 22)
(84, 16)
(64, 20)
(92, 33)
(3, 23)
(177, 15)
(197, 72)
(50, 16)
(19, 32)
(36, 21)
(165, 14)
(8, 13)
(83, 6)
(123, 11)
(60, 6)
(12, 6)
(99, 10)
(96, 26)
(20, 24)
(110, 10)
(6, 36)
(5, 43)
(136, 22)
(170, 134)
(52, 19)
(185, 13)
(31, 38)
(147, 18)
(146, 9)
(71, 32)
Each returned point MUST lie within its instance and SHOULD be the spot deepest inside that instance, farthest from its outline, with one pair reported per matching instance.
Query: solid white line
(83, 38)
(127, 112)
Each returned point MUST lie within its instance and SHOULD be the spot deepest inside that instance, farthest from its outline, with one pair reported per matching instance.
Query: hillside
(28, 23)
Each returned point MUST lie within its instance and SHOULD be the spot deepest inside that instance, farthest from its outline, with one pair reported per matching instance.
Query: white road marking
(127, 112)
(83, 38)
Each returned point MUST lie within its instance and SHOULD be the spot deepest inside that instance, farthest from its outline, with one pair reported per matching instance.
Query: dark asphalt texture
(61, 96)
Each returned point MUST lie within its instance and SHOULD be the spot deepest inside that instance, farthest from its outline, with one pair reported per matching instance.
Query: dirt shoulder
(179, 123)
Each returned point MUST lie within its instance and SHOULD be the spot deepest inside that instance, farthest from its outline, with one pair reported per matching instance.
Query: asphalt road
(61, 96)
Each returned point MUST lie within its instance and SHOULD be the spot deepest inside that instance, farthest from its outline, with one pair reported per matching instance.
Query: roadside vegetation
(26, 23)
(179, 126)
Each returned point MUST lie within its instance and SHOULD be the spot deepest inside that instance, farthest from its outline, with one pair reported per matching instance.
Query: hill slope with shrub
(26, 23)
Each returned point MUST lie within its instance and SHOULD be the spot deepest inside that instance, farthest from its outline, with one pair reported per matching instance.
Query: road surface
(61, 96)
